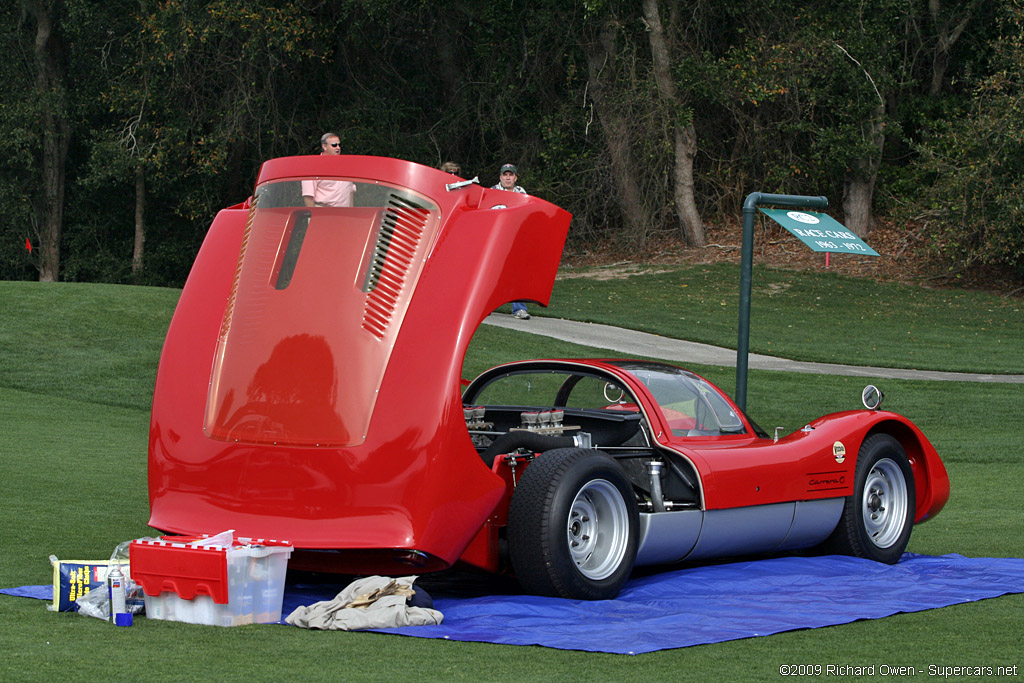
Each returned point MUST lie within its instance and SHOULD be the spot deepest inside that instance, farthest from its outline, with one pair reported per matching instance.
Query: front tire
(878, 518)
(572, 526)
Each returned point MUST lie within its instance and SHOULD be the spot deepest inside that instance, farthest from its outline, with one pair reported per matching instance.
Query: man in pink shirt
(328, 192)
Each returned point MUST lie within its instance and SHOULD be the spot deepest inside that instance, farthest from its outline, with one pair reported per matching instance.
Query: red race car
(309, 390)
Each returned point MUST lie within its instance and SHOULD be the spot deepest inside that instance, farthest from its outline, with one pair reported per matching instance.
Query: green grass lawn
(77, 364)
(808, 316)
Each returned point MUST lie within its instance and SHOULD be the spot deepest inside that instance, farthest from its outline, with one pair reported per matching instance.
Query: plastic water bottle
(116, 591)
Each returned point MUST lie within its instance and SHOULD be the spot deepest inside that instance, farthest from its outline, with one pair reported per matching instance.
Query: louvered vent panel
(393, 257)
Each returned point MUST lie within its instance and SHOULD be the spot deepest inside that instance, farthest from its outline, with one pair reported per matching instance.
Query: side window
(726, 418)
(521, 389)
(679, 404)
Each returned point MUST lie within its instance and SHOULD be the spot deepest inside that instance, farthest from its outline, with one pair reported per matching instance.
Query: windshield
(691, 406)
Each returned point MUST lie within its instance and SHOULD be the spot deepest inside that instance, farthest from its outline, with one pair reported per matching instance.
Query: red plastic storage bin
(211, 584)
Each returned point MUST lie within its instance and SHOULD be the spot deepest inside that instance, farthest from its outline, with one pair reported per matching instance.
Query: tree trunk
(684, 137)
(859, 185)
(945, 38)
(600, 56)
(55, 136)
(140, 223)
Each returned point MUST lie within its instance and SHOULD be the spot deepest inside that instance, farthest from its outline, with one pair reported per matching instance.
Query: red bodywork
(802, 466)
(309, 388)
(331, 416)
(743, 470)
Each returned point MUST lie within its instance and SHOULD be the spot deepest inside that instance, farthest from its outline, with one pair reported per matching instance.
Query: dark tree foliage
(971, 169)
(896, 108)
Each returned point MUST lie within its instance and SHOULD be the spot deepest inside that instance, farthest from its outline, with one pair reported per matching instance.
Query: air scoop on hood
(318, 298)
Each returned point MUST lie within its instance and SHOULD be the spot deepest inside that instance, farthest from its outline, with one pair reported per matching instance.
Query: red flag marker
(28, 245)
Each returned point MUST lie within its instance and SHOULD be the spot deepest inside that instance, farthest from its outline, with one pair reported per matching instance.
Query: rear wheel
(878, 518)
(572, 525)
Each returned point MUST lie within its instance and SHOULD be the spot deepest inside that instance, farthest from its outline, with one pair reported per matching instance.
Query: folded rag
(373, 602)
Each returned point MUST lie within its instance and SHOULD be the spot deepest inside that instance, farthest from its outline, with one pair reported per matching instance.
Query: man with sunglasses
(322, 192)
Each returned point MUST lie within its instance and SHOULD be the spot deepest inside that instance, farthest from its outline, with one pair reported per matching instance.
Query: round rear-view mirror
(872, 397)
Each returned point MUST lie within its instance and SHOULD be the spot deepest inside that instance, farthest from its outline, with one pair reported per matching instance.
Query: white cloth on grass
(373, 602)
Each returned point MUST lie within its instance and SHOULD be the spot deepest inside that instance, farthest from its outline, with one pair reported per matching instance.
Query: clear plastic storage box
(211, 584)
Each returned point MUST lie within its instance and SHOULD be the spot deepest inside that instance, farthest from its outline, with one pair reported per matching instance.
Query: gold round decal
(839, 450)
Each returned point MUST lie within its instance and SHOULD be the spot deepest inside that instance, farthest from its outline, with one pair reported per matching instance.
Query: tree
(948, 25)
(19, 159)
(684, 135)
(810, 94)
(599, 102)
(602, 53)
(188, 98)
(48, 54)
(863, 165)
(972, 164)
(112, 65)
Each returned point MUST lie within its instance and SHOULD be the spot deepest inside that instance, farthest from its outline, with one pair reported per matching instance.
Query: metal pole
(746, 267)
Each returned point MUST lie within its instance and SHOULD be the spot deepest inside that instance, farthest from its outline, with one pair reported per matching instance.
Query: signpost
(818, 231)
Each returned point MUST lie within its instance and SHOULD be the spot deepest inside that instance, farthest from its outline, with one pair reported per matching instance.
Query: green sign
(820, 232)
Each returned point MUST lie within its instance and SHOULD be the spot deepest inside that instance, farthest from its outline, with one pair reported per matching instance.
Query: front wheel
(878, 518)
(573, 525)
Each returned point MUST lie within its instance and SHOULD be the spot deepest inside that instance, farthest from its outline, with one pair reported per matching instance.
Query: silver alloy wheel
(885, 503)
(598, 529)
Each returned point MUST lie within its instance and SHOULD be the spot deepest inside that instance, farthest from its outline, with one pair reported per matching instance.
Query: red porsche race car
(310, 390)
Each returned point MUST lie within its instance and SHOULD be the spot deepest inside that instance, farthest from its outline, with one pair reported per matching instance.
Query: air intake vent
(393, 256)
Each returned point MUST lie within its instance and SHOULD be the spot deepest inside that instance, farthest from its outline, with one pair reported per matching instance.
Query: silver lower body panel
(668, 537)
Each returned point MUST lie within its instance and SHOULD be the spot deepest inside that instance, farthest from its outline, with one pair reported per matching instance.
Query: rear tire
(572, 526)
(878, 518)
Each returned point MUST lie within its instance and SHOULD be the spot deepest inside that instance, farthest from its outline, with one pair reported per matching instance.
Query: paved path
(685, 352)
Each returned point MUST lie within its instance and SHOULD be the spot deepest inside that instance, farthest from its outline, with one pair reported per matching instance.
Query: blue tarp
(705, 604)
(711, 604)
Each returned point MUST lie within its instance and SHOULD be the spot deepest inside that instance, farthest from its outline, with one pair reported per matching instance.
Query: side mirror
(871, 397)
(611, 390)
